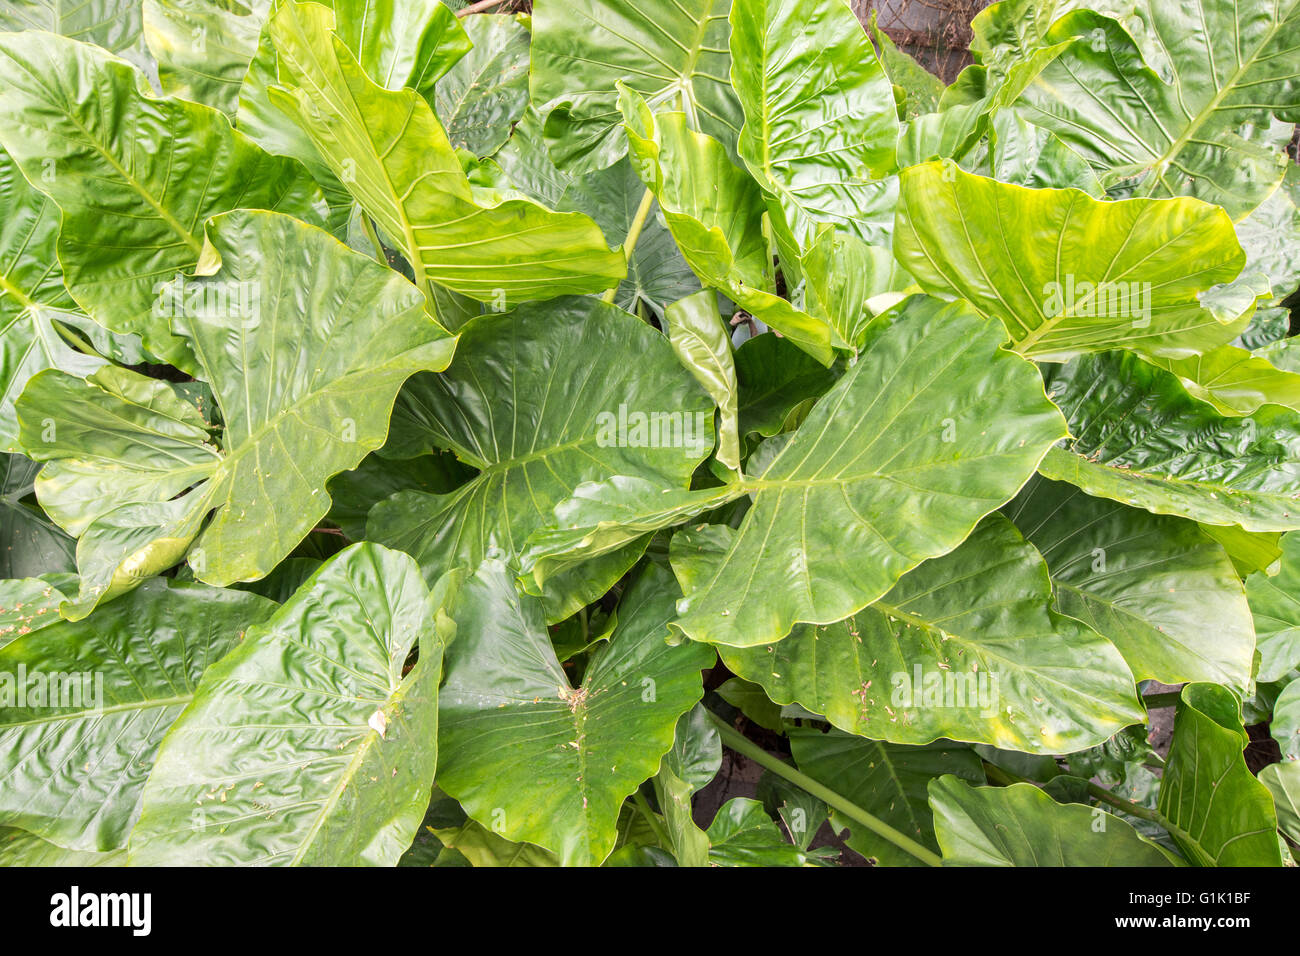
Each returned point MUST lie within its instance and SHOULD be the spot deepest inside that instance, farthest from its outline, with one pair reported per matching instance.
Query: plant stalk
(374, 240)
(660, 833)
(1006, 778)
(743, 745)
(633, 234)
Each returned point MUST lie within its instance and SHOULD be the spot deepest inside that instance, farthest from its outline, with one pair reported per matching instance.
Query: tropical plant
(432, 439)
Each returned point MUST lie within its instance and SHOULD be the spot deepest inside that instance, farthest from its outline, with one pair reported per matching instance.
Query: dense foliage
(432, 438)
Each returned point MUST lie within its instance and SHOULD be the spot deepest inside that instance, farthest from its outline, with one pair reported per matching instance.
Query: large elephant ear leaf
(304, 342)
(877, 479)
(820, 121)
(241, 779)
(1212, 805)
(1161, 589)
(72, 114)
(1020, 825)
(537, 759)
(540, 401)
(1211, 122)
(84, 705)
(32, 296)
(393, 156)
(966, 646)
(1138, 437)
(675, 55)
(1087, 276)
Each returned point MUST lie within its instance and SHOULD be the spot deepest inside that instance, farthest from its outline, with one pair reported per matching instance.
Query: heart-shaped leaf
(533, 757)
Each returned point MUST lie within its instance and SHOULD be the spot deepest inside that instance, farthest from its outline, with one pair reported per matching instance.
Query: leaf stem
(1006, 778)
(633, 234)
(380, 255)
(743, 745)
(78, 343)
(660, 833)
(1105, 796)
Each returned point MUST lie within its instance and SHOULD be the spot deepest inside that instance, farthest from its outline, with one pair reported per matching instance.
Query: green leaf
(749, 698)
(1283, 782)
(742, 834)
(657, 275)
(1202, 124)
(1234, 381)
(675, 55)
(1285, 723)
(848, 282)
(1088, 276)
(482, 847)
(702, 343)
(1020, 825)
(889, 475)
(1006, 32)
(778, 384)
(1159, 588)
(921, 87)
(886, 780)
(289, 370)
(30, 543)
(1271, 237)
(115, 25)
(20, 848)
(714, 211)
(32, 296)
(29, 604)
(310, 743)
(398, 43)
(1139, 438)
(203, 47)
(1028, 155)
(966, 647)
(481, 98)
(1212, 805)
(820, 123)
(606, 517)
(540, 401)
(537, 759)
(74, 761)
(355, 492)
(72, 115)
(1275, 606)
(690, 765)
(395, 159)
